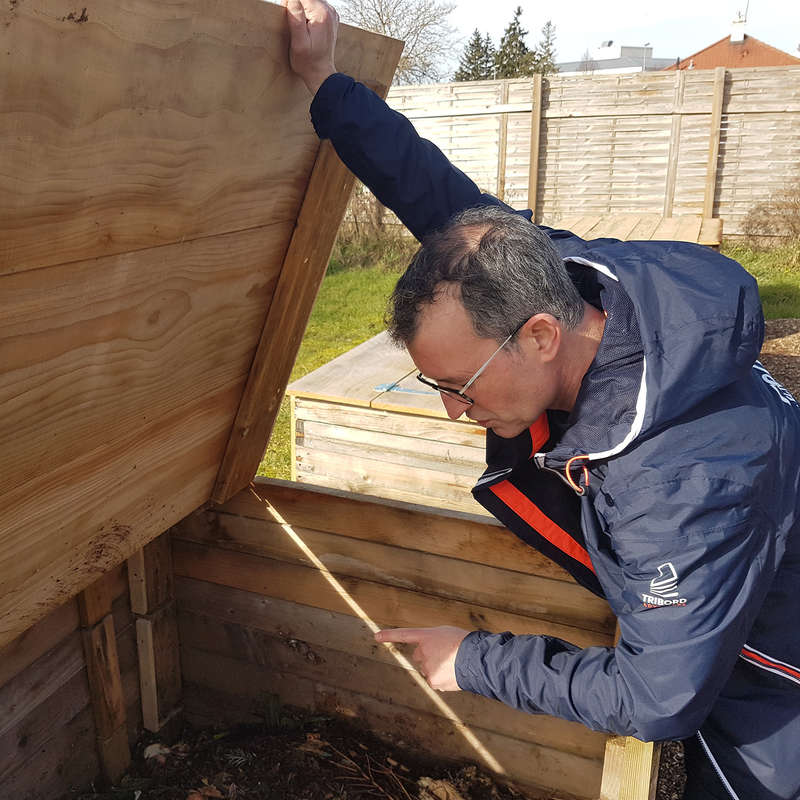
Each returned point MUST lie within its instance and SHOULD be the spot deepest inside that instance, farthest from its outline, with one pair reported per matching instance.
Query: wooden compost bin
(364, 423)
(166, 215)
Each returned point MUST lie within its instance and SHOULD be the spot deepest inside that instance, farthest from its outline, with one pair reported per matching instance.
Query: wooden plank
(713, 141)
(584, 227)
(65, 761)
(414, 426)
(22, 651)
(536, 127)
(148, 135)
(40, 680)
(513, 591)
(386, 605)
(304, 265)
(673, 158)
(24, 740)
(645, 227)
(630, 770)
(688, 229)
(502, 144)
(666, 229)
(463, 536)
(102, 666)
(710, 232)
(94, 602)
(159, 666)
(151, 422)
(355, 377)
(150, 576)
(521, 761)
(400, 450)
(351, 664)
(616, 226)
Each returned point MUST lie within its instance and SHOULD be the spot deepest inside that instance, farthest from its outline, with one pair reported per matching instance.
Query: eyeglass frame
(459, 394)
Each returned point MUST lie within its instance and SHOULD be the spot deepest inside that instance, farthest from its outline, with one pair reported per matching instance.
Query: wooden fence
(710, 142)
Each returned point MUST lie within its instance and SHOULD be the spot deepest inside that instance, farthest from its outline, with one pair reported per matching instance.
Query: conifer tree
(513, 58)
(477, 61)
(543, 57)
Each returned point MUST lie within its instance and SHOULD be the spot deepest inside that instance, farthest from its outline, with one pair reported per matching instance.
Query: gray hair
(506, 269)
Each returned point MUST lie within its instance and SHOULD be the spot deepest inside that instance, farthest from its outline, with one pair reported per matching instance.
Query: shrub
(777, 220)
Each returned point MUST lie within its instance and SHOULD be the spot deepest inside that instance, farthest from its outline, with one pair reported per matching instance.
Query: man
(631, 436)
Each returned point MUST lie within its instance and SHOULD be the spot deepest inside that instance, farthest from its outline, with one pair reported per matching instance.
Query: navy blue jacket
(681, 504)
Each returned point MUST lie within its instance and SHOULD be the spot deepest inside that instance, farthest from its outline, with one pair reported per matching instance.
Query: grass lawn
(351, 305)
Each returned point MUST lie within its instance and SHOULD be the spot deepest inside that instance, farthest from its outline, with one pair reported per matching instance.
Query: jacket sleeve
(672, 660)
(407, 173)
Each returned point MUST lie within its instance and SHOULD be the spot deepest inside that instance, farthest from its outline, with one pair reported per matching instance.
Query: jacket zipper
(716, 766)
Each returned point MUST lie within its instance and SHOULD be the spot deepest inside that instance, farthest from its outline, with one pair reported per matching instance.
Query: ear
(543, 333)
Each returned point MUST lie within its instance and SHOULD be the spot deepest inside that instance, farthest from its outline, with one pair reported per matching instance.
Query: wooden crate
(280, 590)
(363, 423)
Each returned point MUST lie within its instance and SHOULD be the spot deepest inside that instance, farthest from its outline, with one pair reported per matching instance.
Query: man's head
(487, 273)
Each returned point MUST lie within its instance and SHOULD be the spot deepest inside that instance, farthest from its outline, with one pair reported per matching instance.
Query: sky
(674, 29)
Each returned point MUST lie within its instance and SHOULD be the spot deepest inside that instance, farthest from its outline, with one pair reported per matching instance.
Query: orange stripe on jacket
(540, 522)
(749, 654)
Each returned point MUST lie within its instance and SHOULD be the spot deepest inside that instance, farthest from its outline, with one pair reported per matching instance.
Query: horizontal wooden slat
(351, 664)
(483, 540)
(45, 676)
(66, 761)
(439, 576)
(386, 605)
(413, 426)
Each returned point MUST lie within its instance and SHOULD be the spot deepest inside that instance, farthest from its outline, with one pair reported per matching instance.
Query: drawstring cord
(568, 473)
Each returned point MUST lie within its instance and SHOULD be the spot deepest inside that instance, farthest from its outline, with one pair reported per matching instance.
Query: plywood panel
(153, 161)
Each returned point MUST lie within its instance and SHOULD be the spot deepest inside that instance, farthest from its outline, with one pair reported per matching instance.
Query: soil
(305, 756)
(311, 757)
(781, 352)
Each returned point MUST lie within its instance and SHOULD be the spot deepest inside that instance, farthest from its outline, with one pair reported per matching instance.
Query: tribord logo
(664, 588)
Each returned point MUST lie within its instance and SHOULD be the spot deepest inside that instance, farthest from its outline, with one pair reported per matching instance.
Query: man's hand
(435, 654)
(313, 25)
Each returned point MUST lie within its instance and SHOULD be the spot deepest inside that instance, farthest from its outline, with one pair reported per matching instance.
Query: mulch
(311, 757)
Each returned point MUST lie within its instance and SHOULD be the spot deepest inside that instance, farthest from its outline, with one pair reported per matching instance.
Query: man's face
(509, 395)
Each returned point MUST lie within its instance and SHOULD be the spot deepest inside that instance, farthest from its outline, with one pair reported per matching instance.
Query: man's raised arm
(406, 173)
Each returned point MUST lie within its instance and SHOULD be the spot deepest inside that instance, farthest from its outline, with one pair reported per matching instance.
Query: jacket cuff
(327, 99)
(470, 671)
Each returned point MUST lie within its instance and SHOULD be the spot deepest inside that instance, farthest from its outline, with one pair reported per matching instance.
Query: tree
(513, 58)
(421, 24)
(588, 64)
(544, 54)
(477, 61)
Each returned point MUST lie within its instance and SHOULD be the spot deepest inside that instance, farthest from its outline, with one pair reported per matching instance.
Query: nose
(454, 408)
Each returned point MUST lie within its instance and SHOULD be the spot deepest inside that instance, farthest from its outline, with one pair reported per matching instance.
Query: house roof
(750, 52)
(625, 63)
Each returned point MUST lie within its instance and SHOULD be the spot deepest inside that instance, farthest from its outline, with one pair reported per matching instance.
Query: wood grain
(481, 540)
(387, 605)
(439, 576)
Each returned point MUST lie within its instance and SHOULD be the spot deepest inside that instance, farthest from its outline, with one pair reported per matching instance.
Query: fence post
(713, 141)
(674, 142)
(502, 146)
(536, 124)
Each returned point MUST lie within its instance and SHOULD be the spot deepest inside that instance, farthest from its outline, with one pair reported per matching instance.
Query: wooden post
(713, 141)
(536, 123)
(105, 681)
(152, 601)
(674, 142)
(502, 145)
(630, 769)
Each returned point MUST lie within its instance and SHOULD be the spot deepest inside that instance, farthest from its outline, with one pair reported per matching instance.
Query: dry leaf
(430, 789)
(156, 750)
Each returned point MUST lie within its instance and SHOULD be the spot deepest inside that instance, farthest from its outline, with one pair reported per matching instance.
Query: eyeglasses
(458, 394)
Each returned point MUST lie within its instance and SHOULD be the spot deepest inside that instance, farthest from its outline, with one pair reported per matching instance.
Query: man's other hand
(435, 654)
(313, 25)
